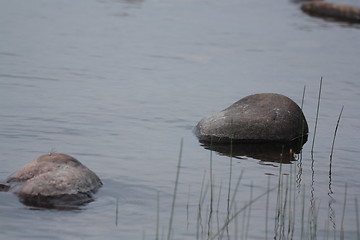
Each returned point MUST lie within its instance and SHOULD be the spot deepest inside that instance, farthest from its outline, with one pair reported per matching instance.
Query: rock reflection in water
(267, 152)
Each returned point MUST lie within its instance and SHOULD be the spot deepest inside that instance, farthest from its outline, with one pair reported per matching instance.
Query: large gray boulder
(265, 117)
(54, 180)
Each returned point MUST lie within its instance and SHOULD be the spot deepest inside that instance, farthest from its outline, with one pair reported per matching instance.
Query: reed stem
(175, 190)
(211, 193)
(117, 211)
(333, 142)
(303, 215)
(157, 215)
(357, 219)
(316, 120)
(343, 215)
(267, 208)
(249, 212)
(217, 208)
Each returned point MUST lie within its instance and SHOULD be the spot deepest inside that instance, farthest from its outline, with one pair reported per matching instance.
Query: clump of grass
(287, 225)
(236, 213)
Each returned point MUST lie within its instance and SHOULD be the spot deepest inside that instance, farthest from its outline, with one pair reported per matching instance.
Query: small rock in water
(54, 180)
(265, 117)
(330, 10)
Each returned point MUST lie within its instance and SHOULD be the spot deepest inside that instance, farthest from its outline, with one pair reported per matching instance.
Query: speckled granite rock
(54, 180)
(265, 117)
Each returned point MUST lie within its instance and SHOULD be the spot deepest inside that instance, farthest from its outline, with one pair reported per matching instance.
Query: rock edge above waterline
(264, 117)
(330, 10)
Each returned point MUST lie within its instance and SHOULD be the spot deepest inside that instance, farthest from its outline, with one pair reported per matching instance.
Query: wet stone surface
(54, 180)
(265, 117)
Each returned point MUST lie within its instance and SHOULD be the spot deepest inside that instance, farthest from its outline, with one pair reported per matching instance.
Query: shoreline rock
(54, 180)
(331, 10)
(265, 117)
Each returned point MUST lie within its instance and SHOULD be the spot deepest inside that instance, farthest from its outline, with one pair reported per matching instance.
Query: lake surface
(119, 84)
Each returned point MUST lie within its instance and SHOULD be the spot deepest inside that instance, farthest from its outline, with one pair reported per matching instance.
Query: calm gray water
(118, 84)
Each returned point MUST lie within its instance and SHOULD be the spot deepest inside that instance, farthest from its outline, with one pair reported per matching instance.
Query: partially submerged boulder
(331, 10)
(54, 180)
(265, 117)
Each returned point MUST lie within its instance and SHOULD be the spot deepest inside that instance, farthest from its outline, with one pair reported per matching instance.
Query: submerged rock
(265, 117)
(54, 180)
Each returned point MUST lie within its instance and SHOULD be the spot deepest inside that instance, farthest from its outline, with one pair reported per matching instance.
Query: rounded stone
(264, 117)
(330, 10)
(53, 180)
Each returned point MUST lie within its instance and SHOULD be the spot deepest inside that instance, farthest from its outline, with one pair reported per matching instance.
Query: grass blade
(333, 142)
(157, 215)
(357, 219)
(343, 215)
(316, 120)
(175, 190)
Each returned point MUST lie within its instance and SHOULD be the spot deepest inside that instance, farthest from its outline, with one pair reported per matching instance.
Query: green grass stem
(175, 190)
(230, 177)
(343, 215)
(217, 207)
(333, 142)
(357, 219)
(157, 215)
(229, 208)
(236, 189)
(290, 212)
(249, 212)
(243, 225)
(236, 223)
(303, 98)
(302, 215)
(279, 201)
(211, 193)
(294, 204)
(316, 119)
(188, 208)
(117, 211)
(267, 208)
(200, 204)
